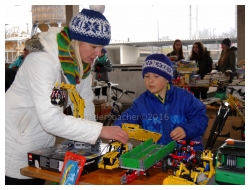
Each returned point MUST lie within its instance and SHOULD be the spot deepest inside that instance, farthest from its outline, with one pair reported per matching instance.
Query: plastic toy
(143, 157)
(193, 174)
(230, 163)
(111, 159)
(130, 175)
(184, 152)
(135, 132)
(58, 98)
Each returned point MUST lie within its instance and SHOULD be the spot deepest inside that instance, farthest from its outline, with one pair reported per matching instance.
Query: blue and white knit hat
(159, 64)
(90, 25)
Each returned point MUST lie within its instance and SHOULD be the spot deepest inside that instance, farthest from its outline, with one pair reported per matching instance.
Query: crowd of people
(199, 53)
(69, 54)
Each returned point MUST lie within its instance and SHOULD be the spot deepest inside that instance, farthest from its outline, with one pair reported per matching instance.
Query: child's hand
(177, 134)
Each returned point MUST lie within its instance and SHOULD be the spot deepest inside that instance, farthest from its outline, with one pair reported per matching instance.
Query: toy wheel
(198, 156)
(165, 163)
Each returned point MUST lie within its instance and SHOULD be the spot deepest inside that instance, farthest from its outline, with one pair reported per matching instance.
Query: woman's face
(178, 46)
(89, 52)
(195, 48)
(224, 47)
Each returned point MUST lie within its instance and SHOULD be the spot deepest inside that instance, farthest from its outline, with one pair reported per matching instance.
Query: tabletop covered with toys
(146, 163)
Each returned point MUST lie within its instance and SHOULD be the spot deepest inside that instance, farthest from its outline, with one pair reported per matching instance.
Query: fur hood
(34, 44)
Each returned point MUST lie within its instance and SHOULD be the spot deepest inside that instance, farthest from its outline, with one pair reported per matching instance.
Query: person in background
(18, 62)
(32, 122)
(227, 60)
(177, 51)
(163, 108)
(102, 66)
(201, 56)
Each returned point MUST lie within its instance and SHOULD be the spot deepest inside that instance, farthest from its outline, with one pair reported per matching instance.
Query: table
(100, 176)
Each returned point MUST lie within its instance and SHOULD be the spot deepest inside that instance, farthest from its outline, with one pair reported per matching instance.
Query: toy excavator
(191, 174)
(111, 159)
(58, 98)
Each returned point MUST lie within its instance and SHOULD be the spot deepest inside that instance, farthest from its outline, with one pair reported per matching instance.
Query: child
(164, 108)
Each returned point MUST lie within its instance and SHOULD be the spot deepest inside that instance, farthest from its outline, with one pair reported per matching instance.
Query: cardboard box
(231, 121)
(52, 158)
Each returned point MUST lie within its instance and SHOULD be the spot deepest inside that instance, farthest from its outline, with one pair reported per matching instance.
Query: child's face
(155, 83)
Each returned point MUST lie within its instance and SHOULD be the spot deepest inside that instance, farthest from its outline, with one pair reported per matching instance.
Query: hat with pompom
(90, 25)
(158, 64)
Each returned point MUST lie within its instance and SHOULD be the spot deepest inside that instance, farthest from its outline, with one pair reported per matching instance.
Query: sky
(146, 22)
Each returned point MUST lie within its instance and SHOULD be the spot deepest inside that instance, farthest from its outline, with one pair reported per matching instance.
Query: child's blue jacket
(181, 108)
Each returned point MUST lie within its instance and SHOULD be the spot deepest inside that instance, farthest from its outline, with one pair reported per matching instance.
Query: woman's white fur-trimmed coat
(31, 121)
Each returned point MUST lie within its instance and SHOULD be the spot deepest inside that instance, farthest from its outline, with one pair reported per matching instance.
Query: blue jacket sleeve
(197, 119)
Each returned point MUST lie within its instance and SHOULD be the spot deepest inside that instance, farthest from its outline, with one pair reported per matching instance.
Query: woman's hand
(178, 133)
(114, 133)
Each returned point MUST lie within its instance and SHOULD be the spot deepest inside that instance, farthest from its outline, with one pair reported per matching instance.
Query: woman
(202, 57)
(177, 46)
(61, 54)
(227, 60)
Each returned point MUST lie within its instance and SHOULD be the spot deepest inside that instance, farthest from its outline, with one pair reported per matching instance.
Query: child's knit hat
(159, 64)
(91, 26)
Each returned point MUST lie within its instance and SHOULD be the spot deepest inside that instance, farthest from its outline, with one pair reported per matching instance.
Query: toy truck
(230, 163)
(111, 159)
(143, 157)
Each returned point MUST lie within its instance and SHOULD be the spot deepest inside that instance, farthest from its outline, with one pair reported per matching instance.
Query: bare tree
(205, 33)
(231, 33)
